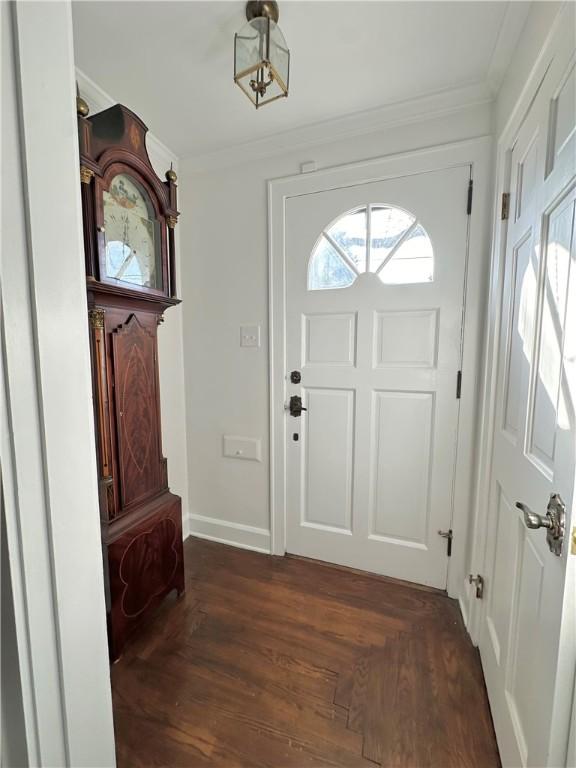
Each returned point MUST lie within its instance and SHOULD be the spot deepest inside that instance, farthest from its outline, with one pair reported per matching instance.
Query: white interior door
(527, 639)
(374, 309)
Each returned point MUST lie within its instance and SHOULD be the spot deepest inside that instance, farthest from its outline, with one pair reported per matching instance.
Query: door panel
(522, 299)
(401, 465)
(405, 338)
(328, 458)
(546, 392)
(329, 339)
(501, 575)
(524, 625)
(376, 334)
(136, 409)
(562, 140)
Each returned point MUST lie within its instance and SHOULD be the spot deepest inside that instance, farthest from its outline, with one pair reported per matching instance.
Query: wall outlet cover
(249, 448)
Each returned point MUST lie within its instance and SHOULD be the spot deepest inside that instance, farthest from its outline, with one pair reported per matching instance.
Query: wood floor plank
(197, 704)
(285, 673)
(383, 723)
(273, 641)
(344, 688)
(347, 623)
(273, 662)
(261, 699)
(358, 699)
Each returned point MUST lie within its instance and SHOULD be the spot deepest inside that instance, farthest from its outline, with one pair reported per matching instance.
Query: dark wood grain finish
(145, 563)
(134, 353)
(140, 519)
(114, 141)
(100, 378)
(283, 662)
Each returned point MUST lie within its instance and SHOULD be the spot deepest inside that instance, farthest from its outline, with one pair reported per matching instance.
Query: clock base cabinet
(141, 520)
(143, 563)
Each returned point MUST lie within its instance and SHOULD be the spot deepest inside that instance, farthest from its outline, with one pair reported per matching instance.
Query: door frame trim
(48, 448)
(476, 153)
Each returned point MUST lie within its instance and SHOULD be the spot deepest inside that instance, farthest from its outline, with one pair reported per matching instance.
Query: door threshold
(369, 574)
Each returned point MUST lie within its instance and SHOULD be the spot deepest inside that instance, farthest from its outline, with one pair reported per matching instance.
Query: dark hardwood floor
(284, 662)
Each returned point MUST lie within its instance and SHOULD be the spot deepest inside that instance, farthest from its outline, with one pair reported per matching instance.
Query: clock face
(132, 234)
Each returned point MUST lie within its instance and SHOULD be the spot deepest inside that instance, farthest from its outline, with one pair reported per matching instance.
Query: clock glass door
(132, 235)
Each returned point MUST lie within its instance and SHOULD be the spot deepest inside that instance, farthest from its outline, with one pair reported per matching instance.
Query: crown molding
(98, 100)
(362, 123)
(357, 124)
(511, 28)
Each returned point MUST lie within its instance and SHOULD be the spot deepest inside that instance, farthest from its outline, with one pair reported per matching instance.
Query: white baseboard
(463, 611)
(185, 525)
(226, 532)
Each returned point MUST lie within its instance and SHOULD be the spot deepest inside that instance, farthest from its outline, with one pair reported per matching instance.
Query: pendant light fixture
(261, 57)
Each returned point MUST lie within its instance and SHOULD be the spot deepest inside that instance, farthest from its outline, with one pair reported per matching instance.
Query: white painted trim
(226, 532)
(463, 611)
(185, 522)
(493, 319)
(510, 30)
(52, 516)
(475, 153)
(415, 110)
(571, 761)
(16, 565)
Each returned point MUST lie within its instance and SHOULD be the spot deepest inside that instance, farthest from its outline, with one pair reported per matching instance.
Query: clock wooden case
(129, 218)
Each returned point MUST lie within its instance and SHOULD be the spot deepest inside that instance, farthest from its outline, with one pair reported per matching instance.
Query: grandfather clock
(129, 219)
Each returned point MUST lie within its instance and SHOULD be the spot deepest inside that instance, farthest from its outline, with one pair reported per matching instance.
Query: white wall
(170, 345)
(225, 283)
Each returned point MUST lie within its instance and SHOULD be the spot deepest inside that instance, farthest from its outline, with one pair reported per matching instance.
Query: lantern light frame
(261, 11)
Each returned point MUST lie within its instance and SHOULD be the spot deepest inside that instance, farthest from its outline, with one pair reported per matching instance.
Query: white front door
(375, 278)
(528, 638)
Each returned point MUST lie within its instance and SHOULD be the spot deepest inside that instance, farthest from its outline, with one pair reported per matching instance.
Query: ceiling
(172, 62)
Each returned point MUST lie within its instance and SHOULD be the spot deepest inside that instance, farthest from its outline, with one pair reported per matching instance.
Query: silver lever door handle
(533, 519)
(554, 521)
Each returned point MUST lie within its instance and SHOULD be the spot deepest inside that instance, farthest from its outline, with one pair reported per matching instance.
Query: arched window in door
(386, 241)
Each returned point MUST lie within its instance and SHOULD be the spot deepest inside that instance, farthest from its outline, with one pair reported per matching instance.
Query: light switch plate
(242, 448)
(249, 335)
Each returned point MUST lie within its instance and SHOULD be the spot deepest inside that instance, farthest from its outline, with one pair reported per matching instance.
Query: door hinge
(448, 535)
(505, 210)
(469, 201)
(573, 545)
(479, 581)
(458, 385)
